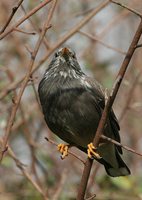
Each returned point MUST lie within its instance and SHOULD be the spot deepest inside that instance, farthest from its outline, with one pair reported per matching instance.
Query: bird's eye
(56, 54)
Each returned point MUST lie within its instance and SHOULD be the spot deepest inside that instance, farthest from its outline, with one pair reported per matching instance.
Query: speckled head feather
(64, 64)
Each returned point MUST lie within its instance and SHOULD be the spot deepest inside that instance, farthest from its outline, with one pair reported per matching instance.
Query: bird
(72, 104)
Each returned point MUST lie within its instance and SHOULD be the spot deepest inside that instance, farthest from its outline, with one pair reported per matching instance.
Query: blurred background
(32, 167)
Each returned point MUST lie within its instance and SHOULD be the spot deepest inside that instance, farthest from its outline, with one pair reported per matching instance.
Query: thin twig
(25, 32)
(115, 21)
(20, 21)
(91, 198)
(69, 151)
(109, 103)
(30, 142)
(20, 165)
(103, 43)
(61, 184)
(38, 30)
(138, 46)
(26, 79)
(126, 7)
(128, 99)
(14, 9)
(121, 145)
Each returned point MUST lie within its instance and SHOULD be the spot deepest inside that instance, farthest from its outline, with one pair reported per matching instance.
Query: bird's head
(65, 55)
(64, 63)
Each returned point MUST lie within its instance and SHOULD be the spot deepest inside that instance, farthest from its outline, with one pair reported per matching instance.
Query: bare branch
(14, 9)
(138, 46)
(89, 162)
(24, 172)
(26, 79)
(103, 43)
(121, 145)
(70, 152)
(61, 184)
(128, 99)
(25, 32)
(91, 198)
(126, 7)
(33, 11)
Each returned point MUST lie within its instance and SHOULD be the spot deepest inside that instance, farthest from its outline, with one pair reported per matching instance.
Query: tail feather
(121, 170)
(112, 161)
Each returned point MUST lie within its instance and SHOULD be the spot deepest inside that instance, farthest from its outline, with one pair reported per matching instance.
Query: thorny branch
(109, 103)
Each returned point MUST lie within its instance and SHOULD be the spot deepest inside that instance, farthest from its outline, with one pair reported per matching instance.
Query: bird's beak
(65, 51)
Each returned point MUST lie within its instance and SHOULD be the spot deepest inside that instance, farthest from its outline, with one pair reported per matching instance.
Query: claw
(92, 152)
(63, 149)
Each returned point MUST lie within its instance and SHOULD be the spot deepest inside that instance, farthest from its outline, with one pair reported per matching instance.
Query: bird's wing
(99, 94)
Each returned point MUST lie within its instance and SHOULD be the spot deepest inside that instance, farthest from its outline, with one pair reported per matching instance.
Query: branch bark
(121, 145)
(14, 10)
(20, 21)
(109, 103)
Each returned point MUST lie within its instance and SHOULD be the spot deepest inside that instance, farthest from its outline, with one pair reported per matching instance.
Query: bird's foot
(63, 149)
(92, 151)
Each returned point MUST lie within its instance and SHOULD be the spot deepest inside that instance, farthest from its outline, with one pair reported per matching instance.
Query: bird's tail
(112, 161)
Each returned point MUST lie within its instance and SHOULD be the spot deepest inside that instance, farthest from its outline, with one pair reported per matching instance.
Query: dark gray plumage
(72, 105)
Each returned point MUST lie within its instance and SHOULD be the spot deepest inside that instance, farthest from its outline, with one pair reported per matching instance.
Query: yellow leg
(63, 149)
(92, 151)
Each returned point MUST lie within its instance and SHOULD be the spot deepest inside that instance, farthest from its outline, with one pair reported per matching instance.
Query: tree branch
(14, 9)
(20, 21)
(126, 7)
(109, 103)
(25, 81)
(70, 152)
(121, 145)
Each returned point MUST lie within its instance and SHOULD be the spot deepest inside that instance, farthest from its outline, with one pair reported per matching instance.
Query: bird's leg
(92, 151)
(63, 149)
